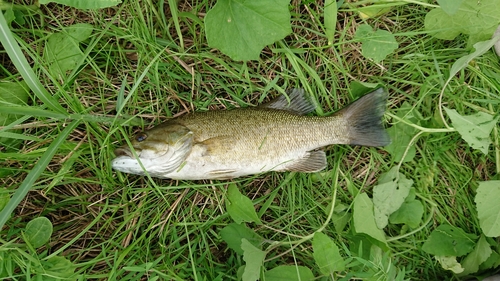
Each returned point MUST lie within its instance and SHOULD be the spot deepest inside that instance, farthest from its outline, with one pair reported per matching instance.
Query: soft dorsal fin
(296, 102)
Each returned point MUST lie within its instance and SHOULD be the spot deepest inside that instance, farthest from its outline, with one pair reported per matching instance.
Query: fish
(279, 136)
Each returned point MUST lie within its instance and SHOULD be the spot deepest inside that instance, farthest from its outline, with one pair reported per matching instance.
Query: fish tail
(364, 119)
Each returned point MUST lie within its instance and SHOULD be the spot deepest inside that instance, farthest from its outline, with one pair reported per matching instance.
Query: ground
(134, 74)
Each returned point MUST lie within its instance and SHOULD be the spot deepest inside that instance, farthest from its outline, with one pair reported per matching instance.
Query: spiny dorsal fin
(297, 102)
(313, 161)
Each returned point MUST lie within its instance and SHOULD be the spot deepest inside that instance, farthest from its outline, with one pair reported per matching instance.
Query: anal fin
(313, 161)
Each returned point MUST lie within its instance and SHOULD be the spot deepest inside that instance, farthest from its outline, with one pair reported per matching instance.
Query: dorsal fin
(296, 102)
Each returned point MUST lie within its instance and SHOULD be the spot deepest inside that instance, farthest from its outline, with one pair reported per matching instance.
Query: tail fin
(364, 119)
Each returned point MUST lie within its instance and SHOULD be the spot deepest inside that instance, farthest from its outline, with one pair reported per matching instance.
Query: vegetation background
(76, 83)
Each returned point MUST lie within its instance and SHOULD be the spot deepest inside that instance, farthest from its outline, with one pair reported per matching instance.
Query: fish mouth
(123, 151)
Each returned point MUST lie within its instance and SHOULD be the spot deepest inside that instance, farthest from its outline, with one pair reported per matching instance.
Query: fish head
(160, 150)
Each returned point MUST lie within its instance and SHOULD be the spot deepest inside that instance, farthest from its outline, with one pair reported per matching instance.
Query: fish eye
(141, 137)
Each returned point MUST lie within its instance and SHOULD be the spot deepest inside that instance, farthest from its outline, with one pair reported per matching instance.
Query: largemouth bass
(276, 136)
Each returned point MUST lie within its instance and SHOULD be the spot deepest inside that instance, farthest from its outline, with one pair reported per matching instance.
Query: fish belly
(199, 165)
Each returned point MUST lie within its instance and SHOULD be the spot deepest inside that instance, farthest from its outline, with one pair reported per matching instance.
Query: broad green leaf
(326, 254)
(330, 19)
(240, 207)
(289, 273)
(9, 15)
(410, 213)
(450, 6)
(493, 261)
(447, 240)
(11, 93)
(450, 263)
(479, 49)
(239, 273)
(401, 135)
(488, 208)
(383, 260)
(478, 19)
(19, 60)
(59, 267)
(84, 4)
(363, 246)
(20, 16)
(62, 49)
(17, 12)
(38, 231)
(254, 259)
(376, 45)
(340, 216)
(480, 254)
(340, 220)
(241, 29)
(364, 220)
(233, 233)
(475, 129)
(389, 195)
(359, 88)
(371, 11)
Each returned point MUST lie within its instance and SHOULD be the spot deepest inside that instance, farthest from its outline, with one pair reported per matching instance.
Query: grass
(137, 71)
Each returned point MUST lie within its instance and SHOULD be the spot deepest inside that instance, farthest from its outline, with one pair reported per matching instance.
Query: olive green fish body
(248, 141)
(272, 137)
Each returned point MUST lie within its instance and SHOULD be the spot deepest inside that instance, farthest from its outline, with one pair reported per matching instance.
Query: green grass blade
(175, 17)
(35, 173)
(18, 59)
(32, 111)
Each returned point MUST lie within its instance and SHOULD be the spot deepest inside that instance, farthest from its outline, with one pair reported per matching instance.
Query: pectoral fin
(313, 161)
(217, 145)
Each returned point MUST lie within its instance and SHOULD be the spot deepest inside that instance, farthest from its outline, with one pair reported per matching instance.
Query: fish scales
(272, 125)
(263, 135)
(276, 136)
